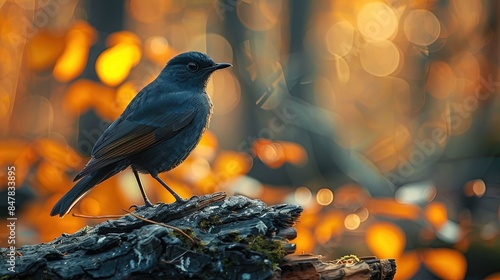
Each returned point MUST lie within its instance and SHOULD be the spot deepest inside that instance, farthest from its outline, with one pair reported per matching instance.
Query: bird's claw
(133, 206)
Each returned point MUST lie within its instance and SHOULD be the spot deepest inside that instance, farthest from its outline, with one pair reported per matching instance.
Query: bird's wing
(132, 134)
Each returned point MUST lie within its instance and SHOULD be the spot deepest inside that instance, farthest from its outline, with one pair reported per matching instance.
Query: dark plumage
(157, 130)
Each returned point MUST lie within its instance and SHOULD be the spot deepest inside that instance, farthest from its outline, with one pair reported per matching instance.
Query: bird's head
(190, 69)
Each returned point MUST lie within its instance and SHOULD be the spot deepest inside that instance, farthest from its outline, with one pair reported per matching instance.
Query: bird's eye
(193, 66)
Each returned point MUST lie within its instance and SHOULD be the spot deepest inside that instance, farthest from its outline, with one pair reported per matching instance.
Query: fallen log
(206, 237)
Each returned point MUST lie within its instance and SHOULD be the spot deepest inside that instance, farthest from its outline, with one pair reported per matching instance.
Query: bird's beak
(218, 66)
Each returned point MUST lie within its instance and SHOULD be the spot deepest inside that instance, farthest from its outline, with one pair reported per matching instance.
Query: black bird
(157, 130)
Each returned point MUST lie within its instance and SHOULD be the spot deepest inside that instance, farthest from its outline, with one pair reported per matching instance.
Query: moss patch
(273, 249)
(205, 224)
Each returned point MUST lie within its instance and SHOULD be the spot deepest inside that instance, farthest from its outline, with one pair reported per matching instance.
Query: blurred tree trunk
(106, 17)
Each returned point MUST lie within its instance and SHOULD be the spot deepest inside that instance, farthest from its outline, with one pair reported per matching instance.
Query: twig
(161, 224)
(97, 217)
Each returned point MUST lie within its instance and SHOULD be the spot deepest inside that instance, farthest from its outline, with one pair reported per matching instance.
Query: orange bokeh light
(114, 64)
(330, 225)
(44, 49)
(494, 276)
(74, 58)
(475, 188)
(156, 49)
(124, 94)
(294, 153)
(442, 81)
(392, 208)
(52, 178)
(385, 240)
(305, 240)
(57, 153)
(352, 221)
(230, 164)
(437, 214)
(272, 154)
(408, 264)
(445, 263)
(324, 196)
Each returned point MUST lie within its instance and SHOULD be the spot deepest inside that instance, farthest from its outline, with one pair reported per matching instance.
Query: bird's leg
(146, 199)
(176, 196)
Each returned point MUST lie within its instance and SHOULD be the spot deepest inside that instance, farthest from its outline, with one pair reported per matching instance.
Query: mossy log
(207, 237)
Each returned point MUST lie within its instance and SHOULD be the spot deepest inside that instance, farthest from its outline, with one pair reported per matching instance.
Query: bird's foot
(148, 203)
(177, 197)
(181, 200)
(133, 206)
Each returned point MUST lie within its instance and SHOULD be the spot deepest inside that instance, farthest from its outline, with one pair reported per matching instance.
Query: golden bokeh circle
(377, 21)
(380, 58)
(421, 27)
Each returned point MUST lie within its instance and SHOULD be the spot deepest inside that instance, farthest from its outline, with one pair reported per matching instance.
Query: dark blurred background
(380, 118)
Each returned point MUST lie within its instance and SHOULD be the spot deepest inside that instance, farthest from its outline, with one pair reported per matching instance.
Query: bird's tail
(68, 201)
